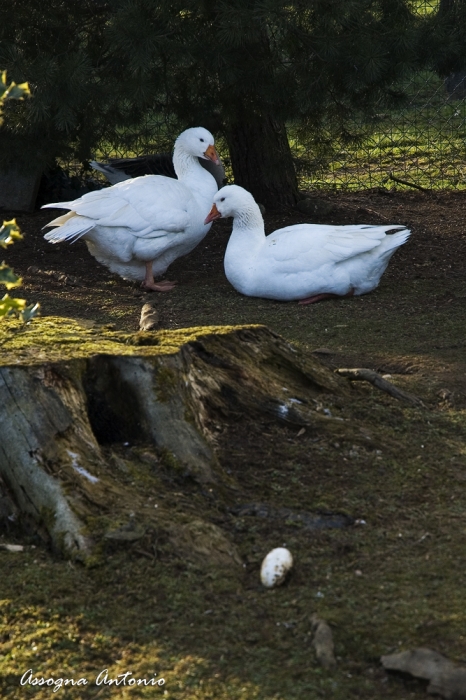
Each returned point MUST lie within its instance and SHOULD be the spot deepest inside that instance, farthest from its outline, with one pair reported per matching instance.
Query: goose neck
(183, 162)
(197, 179)
(249, 220)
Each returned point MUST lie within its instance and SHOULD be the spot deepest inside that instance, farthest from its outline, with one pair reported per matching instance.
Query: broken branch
(391, 176)
(368, 375)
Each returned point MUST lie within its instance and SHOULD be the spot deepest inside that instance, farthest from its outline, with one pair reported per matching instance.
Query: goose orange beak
(212, 155)
(212, 215)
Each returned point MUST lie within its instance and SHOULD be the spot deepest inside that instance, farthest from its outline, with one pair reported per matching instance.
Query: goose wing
(156, 164)
(149, 206)
(300, 245)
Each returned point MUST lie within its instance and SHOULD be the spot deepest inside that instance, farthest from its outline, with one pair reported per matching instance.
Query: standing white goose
(138, 227)
(306, 262)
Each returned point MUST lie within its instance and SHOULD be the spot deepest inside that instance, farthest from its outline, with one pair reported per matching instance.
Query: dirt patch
(391, 580)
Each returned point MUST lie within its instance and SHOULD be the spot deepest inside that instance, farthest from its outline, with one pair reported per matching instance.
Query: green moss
(47, 517)
(52, 338)
(170, 462)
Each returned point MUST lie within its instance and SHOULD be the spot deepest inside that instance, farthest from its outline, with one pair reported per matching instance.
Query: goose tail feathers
(395, 240)
(70, 231)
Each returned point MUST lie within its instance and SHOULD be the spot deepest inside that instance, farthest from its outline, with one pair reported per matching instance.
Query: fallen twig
(368, 375)
(391, 176)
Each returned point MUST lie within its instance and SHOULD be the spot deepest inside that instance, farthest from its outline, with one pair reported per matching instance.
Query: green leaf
(17, 92)
(3, 84)
(8, 277)
(9, 306)
(9, 232)
(13, 91)
(30, 312)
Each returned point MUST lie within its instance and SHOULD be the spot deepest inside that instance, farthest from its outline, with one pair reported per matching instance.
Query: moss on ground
(52, 338)
(394, 583)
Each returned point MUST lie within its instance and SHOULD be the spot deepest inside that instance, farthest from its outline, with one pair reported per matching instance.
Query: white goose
(306, 262)
(138, 227)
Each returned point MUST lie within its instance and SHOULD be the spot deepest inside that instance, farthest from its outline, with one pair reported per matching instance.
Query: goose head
(198, 142)
(233, 200)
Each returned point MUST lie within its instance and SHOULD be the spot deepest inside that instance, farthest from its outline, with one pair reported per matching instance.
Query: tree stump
(70, 393)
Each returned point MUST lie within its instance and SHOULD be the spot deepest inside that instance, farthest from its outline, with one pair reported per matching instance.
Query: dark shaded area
(309, 521)
(113, 409)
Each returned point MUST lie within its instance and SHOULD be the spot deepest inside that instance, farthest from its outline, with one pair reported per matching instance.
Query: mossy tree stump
(69, 392)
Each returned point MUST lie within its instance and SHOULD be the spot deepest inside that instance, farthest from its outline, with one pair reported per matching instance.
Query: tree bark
(61, 420)
(262, 162)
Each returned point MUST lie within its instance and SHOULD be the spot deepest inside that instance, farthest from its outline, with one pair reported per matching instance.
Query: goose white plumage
(305, 262)
(138, 227)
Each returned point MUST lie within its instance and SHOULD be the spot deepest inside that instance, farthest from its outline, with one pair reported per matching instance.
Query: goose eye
(202, 140)
(222, 199)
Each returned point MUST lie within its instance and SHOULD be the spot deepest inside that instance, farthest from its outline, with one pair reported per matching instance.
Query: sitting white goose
(138, 227)
(306, 262)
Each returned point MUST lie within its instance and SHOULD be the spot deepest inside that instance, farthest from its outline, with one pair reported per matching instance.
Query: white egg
(275, 567)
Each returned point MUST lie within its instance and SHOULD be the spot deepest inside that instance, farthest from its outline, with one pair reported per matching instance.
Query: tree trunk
(262, 162)
(64, 423)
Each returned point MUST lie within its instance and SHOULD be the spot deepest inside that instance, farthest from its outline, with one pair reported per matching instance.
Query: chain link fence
(422, 142)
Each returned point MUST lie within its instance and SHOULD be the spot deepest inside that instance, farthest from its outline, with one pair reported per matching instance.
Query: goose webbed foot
(163, 286)
(150, 283)
(321, 297)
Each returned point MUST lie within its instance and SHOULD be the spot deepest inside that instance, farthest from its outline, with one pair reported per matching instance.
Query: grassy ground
(422, 142)
(395, 582)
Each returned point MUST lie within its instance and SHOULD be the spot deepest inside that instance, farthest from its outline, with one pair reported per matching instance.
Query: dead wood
(149, 320)
(60, 419)
(408, 184)
(368, 375)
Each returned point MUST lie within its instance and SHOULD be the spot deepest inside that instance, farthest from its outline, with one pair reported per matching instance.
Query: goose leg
(149, 282)
(322, 297)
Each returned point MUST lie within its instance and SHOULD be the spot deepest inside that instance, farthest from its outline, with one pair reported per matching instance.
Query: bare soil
(393, 581)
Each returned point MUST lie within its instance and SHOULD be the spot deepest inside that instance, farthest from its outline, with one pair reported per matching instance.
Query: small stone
(13, 547)
(323, 642)
(323, 351)
(85, 323)
(127, 533)
(446, 678)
